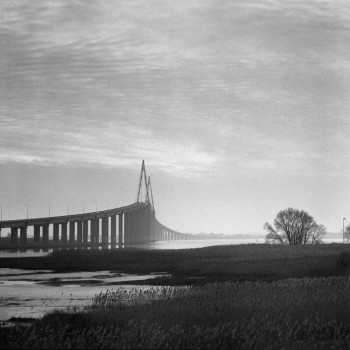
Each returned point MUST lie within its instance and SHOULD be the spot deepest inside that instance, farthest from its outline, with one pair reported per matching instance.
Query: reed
(307, 313)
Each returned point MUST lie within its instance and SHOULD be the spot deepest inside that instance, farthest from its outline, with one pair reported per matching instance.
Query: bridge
(124, 226)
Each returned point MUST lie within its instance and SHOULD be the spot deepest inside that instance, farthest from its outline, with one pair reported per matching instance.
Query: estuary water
(31, 294)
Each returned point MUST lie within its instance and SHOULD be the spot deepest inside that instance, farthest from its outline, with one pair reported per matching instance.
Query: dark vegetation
(227, 297)
(197, 266)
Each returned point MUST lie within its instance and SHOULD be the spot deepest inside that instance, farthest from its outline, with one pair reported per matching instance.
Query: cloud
(191, 86)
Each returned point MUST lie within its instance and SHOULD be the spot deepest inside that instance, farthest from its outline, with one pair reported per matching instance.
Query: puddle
(31, 294)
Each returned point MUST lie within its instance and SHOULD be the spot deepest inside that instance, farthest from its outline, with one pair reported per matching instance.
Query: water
(32, 293)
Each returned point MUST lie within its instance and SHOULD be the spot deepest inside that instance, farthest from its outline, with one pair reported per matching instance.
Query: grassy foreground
(248, 297)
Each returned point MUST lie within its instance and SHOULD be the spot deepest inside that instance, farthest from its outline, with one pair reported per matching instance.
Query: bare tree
(294, 227)
(318, 234)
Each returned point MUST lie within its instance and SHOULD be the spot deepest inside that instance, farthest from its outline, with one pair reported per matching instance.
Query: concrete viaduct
(125, 226)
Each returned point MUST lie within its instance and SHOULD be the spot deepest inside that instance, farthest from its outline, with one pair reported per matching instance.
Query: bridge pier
(45, 234)
(113, 229)
(36, 234)
(56, 233)
(95, 224)
(120, 229)
(105, 230)
(85, 231)
(153, 225)
(23, 235)
(132, 227)
(92, 231)
(79, 232)
(64, 232)
(14, 235)
(72, 232)
(140, 226)
(126, 228)
(136, 226)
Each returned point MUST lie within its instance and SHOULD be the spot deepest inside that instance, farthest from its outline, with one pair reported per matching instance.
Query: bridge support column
(64, 233)
(56, 230)
(132, 227)
(113, 229)
(80, 232)
(72, 232)
(46, 234)
(105, 230)
(36, 234)
(148, 222)
(92, 231)
(141, 224)
(126, 228)
(153, 225)
(85, 231)
(120, 229)
(95, 234)
(23, 235)
(144, 224)
(14, 235)
(138, 226)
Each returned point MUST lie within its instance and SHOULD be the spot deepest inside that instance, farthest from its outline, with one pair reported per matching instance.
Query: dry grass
(309, 313)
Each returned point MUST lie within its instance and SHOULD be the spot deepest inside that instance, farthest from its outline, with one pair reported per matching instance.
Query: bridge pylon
(143, 176)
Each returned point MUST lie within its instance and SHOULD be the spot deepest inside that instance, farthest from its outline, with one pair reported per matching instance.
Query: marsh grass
(308, 313)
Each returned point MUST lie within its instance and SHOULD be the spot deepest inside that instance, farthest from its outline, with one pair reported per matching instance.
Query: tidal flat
(242, 297)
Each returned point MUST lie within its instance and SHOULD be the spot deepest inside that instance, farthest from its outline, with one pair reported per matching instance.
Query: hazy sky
(239, 108)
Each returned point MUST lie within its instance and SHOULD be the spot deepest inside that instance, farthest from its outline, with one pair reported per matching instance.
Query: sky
(239, 108)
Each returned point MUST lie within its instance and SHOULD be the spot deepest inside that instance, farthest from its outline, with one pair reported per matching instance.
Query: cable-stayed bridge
(124, 226)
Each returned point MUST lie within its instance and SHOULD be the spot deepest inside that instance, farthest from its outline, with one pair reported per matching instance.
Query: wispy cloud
(189, 86)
